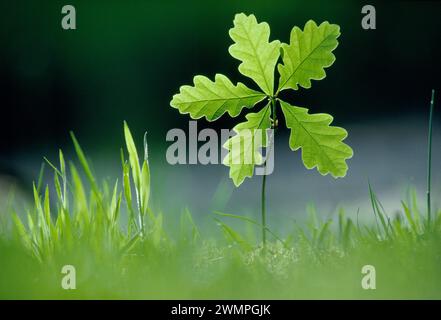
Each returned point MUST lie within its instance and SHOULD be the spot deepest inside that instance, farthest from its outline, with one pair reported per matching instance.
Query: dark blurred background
(126, 59)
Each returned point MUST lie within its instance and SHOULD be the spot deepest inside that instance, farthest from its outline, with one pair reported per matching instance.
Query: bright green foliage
(133, 156)
(243, 148)
(161, 263)
(91, 217)
(212, 99)
(141, 178)
(321, 144)
(113, 263)
(307, 54)
(303, 60)
(252, 47)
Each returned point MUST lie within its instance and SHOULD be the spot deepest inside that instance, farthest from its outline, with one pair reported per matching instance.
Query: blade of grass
(85, 165)
(410, 218)
(429, 160)
(40, 177)
(234, 236)
(187, 220)
(247, 219)
(377, 211)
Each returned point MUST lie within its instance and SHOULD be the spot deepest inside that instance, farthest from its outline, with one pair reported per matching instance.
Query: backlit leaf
(307, 54)
(321, 144)
(212, 99)
(244, 147)
(252, 47)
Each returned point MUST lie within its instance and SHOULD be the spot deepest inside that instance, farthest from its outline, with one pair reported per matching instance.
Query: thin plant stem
(429, 160)
(263, 193)
(263, 209)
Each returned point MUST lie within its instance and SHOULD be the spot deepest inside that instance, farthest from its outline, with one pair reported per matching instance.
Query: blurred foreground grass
(121, 249)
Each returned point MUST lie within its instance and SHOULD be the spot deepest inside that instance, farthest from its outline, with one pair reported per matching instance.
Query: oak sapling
(303, 59)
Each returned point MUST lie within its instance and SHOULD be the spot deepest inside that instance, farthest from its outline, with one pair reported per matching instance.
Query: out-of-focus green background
(127, 58)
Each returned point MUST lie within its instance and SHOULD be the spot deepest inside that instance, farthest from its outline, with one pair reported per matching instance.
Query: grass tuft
(131, 252)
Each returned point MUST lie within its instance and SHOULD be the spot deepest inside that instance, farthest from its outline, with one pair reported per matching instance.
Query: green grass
(122, 249)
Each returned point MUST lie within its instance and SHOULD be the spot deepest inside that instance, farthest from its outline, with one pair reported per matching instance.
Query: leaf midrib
(222, 99)
(303, 61)
(318, 144)
(258, 58)
(258, 126)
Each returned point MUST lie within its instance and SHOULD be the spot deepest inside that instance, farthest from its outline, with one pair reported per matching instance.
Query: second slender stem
(429, 160)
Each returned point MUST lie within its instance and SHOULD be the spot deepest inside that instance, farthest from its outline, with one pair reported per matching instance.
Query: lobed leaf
(307, 54)
(252, 47)
(244, 147)
(321, 144)
(212, 99)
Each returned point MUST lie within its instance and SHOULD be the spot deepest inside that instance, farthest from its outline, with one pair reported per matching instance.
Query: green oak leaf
(321, 144)
(244, 147)
(304, 59)
(252, 47)
(309, 52)
(212, 99)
